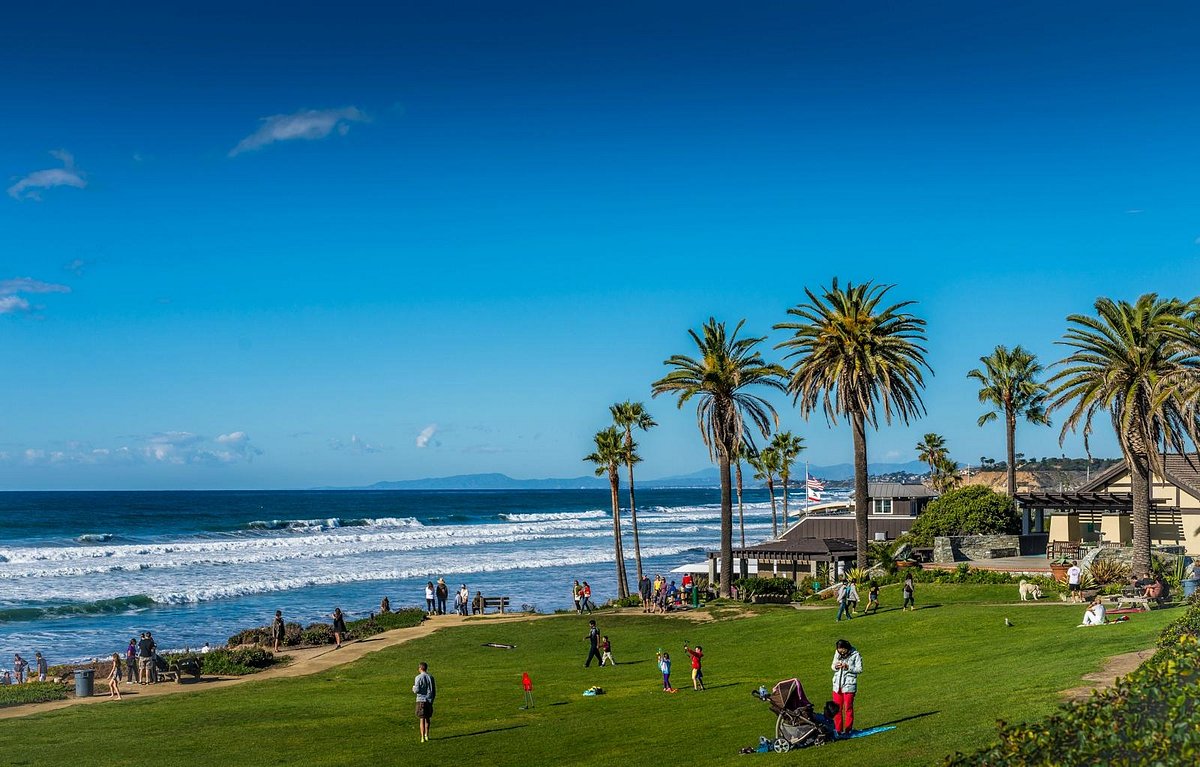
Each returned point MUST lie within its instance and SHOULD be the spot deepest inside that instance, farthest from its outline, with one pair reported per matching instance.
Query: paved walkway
(305, 660)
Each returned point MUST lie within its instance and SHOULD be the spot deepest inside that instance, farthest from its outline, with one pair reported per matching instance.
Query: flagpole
(806, 490)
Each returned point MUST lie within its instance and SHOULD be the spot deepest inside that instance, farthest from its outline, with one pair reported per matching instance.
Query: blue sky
(296, 245)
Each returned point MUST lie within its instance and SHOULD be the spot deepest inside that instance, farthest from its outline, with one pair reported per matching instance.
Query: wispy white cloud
(75, 266)
(308, 124)
(356, 445)
(426, 435)
(68, 175)
(12, 299)
(175, 448)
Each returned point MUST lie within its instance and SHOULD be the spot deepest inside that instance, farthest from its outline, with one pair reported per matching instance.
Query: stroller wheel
(782, 745)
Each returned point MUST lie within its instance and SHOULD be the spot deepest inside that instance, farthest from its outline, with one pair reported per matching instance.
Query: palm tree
(610, 453)
(766, 465)
(1139, 362)
(931, 450)
(788, 446)
(944, 477)
(726, 411)
(855, 356)
(743, 454)
(1008, 382)
(629, 415)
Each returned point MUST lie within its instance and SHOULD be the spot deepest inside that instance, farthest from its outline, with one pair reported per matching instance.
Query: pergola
(1033, 505)
(793, 553)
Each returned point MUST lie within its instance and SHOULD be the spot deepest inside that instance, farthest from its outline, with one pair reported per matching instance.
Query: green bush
(1186, 625)
(633, 600)
(32, 692)
(317, 634)
(970, 510)
(754, 586)
(239, 661)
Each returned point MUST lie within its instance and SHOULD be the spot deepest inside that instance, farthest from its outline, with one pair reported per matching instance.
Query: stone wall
(957, 548)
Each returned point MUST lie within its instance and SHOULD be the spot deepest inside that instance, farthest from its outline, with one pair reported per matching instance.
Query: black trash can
(84, 682)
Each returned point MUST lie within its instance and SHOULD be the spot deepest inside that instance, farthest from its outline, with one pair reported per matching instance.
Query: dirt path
(307, 660)
(1114, 667)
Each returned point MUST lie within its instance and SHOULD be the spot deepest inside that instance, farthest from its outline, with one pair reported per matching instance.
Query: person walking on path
(847, 665)
(846, 594)
(425, 690)
(909, 602)
(697, 672)
(40, 666)
(593, 639)
(872, 598)
(339, 627)
(664, 665)
(114, 678)
(577, 597)
(429, 604)
(464, 599)
(1074, 575)
(586, 597)
(443, 593)
(278, 631)
(131, 662)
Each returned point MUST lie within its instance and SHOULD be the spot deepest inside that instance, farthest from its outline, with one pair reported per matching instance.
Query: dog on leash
(1029, 591)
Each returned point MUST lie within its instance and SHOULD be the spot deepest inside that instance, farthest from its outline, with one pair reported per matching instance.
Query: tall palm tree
(788, 446)
(721, 379)
(766, 466)
(931, 451)
(610, 454)
(1140, 362)
(855, 356)
(1008, 383)
(628, 416)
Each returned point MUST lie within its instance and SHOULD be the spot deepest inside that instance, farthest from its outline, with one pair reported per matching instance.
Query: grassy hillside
(943, 674)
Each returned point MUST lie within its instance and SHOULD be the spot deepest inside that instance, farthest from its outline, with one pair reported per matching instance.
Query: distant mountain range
(704, 478)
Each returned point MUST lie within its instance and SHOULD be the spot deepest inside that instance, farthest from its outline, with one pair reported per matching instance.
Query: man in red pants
(847, 665)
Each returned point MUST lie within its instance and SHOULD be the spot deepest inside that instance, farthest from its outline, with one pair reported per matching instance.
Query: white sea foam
(557, 516)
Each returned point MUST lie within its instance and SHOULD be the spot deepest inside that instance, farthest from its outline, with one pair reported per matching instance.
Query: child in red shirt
(697, 672)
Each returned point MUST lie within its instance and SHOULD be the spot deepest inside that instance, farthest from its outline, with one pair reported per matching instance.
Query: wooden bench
(498, 602)
(1140, 603)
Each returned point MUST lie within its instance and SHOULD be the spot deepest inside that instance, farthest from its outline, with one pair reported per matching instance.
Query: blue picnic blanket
(865, 733)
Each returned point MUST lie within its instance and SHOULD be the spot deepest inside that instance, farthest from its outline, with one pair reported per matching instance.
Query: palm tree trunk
(637, 546)
(614, 482)
(726, 523)
(1139, 480)
(784, 478)
(862, 501)
(1010, 428)
(741, 517)
(774, 515)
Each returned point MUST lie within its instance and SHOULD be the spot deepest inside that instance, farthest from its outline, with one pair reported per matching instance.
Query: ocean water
(81, 573)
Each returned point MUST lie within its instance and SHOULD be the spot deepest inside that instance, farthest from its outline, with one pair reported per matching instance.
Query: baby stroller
(797, 726)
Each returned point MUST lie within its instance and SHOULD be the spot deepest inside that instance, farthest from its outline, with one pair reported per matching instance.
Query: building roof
(1181, 469)
(795, 549)
(899, 490)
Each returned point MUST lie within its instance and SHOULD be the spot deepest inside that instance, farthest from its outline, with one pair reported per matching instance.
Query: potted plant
(1059, 566)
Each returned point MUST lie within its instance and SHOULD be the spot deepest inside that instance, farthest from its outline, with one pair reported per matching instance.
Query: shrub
(749, 587)
(239, 661)
(1186, 625)
(317, 634)
(633, 600)
(1106, 571)
(32, 692)
(970, 510)
(259, 635)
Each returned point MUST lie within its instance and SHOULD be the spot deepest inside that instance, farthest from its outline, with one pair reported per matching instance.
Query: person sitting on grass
(1094, 615)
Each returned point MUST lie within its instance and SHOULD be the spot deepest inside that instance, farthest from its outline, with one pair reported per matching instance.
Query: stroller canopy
(789, 695)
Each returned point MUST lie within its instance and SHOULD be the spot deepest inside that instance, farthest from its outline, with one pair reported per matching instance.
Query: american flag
(814, 484)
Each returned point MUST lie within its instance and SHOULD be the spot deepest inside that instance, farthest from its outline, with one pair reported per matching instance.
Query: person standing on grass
(40, 666)
(278, 631)
(425, 690)
(697, 672)
(644, 592)
(909, 602)
(19, 666)
(847, 665)
(339, 627)
(1074, 575)
(664, 665)
(114, 678)
(593, 639)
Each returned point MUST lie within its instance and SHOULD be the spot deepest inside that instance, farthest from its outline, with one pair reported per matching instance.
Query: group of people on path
(581, 595)
(847, 597)
(438, 596)
(21, 670)
(660, 596)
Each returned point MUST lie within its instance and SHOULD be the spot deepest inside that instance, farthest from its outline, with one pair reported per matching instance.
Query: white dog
(1029, 591)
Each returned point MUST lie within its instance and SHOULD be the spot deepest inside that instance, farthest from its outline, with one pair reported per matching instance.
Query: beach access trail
(305, 661)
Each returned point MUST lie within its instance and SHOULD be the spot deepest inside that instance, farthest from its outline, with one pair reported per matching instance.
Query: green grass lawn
(944, 674)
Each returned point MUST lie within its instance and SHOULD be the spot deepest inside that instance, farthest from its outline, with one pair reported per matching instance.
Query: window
(881, 505)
